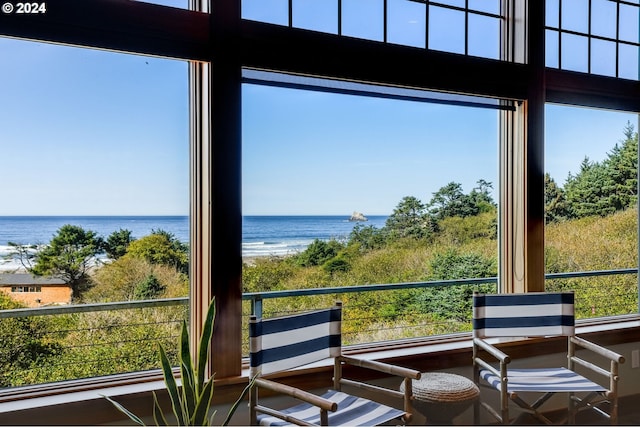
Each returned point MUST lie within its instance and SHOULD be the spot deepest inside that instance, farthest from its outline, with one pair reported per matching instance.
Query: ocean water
(285, 235)
(37, 230)
(261, 235)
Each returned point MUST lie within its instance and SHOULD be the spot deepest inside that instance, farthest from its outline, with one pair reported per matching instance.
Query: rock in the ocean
(357, 216)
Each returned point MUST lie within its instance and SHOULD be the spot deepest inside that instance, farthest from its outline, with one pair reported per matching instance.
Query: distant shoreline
(11, 268)
(264, 236)
(250, 260)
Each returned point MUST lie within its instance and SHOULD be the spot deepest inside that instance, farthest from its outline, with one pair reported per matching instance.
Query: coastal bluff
(358, 216)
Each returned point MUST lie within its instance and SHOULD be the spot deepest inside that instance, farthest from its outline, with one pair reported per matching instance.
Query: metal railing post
(256, 306)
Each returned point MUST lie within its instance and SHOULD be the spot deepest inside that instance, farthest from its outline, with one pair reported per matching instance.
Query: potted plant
(191, 401)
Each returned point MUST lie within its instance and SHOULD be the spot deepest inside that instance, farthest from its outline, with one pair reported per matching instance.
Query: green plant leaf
(189, 394)
(133, 417)
(205, 342)
(192, 403)
(158, 414)
(213, 414)
(204, 402)
(172, 387)
(234, 407)
(189, 391)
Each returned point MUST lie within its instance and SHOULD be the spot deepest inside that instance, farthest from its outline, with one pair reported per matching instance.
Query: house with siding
(35, 291)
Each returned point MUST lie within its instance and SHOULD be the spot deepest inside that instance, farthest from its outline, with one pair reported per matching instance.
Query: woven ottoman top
(441, 387)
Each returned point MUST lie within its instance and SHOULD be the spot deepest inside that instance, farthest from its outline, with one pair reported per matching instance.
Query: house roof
(13, 279)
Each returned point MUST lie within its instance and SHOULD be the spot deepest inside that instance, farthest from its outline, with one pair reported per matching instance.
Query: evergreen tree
(368, 237)
(585, 191)
(622, 171)
(409, 219)
(480, 197)
(117, 243)
(450, 201)
(454, 302)
(69, 256)
(319, 252)
(606, 187)
(555, 201)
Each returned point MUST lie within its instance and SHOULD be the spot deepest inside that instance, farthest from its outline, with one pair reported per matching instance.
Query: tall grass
(587, 244)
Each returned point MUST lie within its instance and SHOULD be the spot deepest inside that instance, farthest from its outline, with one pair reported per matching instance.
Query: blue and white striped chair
(283, 343)
(539, 314)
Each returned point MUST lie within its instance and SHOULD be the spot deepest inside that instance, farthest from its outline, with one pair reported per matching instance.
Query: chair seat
(352, 411)
(542, 380)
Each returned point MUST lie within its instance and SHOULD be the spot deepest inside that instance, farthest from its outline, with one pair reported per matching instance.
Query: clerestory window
(464, 27)
(596, 37)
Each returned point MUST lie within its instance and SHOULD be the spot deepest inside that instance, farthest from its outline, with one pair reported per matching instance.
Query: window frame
(218, 44)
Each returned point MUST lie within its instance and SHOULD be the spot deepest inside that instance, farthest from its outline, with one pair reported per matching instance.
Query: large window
(106, 134)
(341, 190)
(591, 208)
(95, 160)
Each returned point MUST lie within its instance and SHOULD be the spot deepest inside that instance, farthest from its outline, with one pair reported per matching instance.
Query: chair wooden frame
(324, 405)
(501, 375)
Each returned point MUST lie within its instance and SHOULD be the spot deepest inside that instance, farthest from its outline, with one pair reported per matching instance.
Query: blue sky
(307, 152)
(87, 132)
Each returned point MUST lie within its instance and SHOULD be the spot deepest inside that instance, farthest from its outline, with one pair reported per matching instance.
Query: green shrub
(149, 288)
(335, 265)
(319, 252)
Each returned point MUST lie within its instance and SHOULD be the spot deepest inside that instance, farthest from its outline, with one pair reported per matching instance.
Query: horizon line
(168, 215)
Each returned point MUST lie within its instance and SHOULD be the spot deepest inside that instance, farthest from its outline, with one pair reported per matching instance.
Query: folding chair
(283, 343)
(539, 314)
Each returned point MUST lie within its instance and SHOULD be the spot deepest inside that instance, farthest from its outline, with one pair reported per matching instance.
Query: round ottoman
(440, 397)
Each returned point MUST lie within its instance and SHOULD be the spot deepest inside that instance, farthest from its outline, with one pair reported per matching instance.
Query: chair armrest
(313, 399)
(382, 367)
(605, 352)
(502, 357)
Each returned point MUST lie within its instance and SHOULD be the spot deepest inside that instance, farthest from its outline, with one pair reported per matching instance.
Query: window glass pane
(603, 57)
(458, 3)
(629, 23)
(317, 15)
(575, 53)
(363, 18)
(271, 11)
(575, 15)
(489, 6)
(446, 30)
(552, 10)
(406, 23)
(551, 53)
(310, 159)
(591, 162)
(603, 18)
(484, 36)
(100, 152)
(628, 61)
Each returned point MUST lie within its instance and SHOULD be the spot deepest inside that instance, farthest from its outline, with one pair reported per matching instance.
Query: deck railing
(86, 340)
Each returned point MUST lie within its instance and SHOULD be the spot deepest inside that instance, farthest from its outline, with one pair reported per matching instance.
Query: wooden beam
(226, 189)
(588, 90)
(273, 47)
(116, 25)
